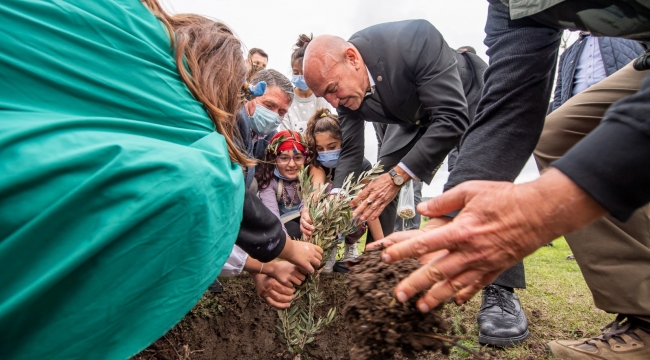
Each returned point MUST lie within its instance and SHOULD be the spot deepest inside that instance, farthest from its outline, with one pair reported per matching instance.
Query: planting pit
(238, 324)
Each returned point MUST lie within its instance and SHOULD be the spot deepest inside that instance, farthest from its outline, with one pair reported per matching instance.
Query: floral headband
(287, 140)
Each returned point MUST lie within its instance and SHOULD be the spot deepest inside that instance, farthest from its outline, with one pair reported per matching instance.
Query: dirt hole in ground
(238, 324)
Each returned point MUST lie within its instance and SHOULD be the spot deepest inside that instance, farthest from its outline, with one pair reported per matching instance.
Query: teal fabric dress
(118, 201)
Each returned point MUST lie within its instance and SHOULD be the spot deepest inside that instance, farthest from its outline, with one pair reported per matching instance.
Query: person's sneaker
(350, 252)
(571, 257)
(628, 340)
(216, 287)
(501, 321)
(329, 264)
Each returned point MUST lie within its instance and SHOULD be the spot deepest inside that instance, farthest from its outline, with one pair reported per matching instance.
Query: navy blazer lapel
(377, 71)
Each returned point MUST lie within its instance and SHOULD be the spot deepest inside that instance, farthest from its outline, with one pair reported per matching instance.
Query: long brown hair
(323, 121)
(265, 169)
(213, 55)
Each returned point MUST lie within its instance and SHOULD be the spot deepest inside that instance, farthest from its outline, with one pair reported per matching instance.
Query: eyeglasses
(299, 159)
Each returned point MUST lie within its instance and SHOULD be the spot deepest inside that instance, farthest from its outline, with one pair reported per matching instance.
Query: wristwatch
(398, 180)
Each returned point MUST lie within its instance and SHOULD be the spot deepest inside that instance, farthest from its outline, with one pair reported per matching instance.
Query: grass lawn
(556, 301)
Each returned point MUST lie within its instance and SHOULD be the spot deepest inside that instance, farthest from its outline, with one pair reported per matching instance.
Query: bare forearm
(565, 207)
(375, 229)
(254, 266)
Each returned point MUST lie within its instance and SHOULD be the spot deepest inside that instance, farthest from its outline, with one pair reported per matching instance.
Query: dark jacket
(260, 233)
(615, 52)
(418, 87)
(245, 142)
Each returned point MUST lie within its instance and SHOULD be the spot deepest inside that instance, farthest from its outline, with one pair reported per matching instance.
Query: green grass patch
(556, 301)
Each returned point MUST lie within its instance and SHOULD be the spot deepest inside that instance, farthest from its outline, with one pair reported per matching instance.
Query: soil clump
(382, 325)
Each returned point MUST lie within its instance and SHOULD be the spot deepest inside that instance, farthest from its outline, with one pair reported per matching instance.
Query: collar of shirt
(257, 136)
(372, 84)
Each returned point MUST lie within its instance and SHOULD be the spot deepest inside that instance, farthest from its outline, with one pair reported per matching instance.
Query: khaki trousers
(614, 257)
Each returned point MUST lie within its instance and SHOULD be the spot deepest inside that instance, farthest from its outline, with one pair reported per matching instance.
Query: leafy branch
(332, 219)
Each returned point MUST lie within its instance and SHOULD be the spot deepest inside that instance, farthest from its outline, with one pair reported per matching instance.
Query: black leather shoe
(501, 322)
(216, 287)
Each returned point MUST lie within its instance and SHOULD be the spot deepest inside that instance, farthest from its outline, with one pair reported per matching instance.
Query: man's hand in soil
(500, 223)
(284, 272)
(400, 236)
(275, 294)
(306, 224)
(305, 255)
(372, 200)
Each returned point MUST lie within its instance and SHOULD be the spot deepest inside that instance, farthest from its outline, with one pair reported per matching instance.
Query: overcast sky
(275, 25)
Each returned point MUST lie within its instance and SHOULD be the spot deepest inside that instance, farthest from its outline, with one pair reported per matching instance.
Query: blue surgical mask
(329, 158)
(276, 172)
(264, 121)
(299, 82)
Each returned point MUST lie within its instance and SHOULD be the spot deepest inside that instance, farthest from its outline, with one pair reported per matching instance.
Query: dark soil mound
(384, 326)
(238, 324)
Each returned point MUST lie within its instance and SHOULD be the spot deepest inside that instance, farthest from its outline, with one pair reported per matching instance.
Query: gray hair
(274, 78)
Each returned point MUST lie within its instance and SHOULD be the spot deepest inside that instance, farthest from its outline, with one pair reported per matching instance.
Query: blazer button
(379, 78)
(417, 122)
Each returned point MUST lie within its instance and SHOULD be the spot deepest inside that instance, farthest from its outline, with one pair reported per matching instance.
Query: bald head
(323, 44)
(334, 69)
(323, 52)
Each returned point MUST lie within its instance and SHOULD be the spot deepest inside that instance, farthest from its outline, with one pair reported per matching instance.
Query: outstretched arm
(499, 225)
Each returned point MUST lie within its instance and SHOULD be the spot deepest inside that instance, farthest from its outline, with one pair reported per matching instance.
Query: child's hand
(306, 226)
(275, 294)
(284, 272)
(305, 255)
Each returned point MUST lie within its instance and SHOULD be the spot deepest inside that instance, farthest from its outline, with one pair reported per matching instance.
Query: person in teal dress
(121, 190)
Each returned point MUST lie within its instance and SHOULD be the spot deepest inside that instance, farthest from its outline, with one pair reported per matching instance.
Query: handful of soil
(382, 326)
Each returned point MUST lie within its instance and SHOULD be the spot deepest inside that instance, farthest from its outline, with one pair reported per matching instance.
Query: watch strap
(393, 174)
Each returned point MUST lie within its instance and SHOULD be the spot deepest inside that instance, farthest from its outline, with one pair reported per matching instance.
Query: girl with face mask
(323, 137)
(277, 178)
(304, 102)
